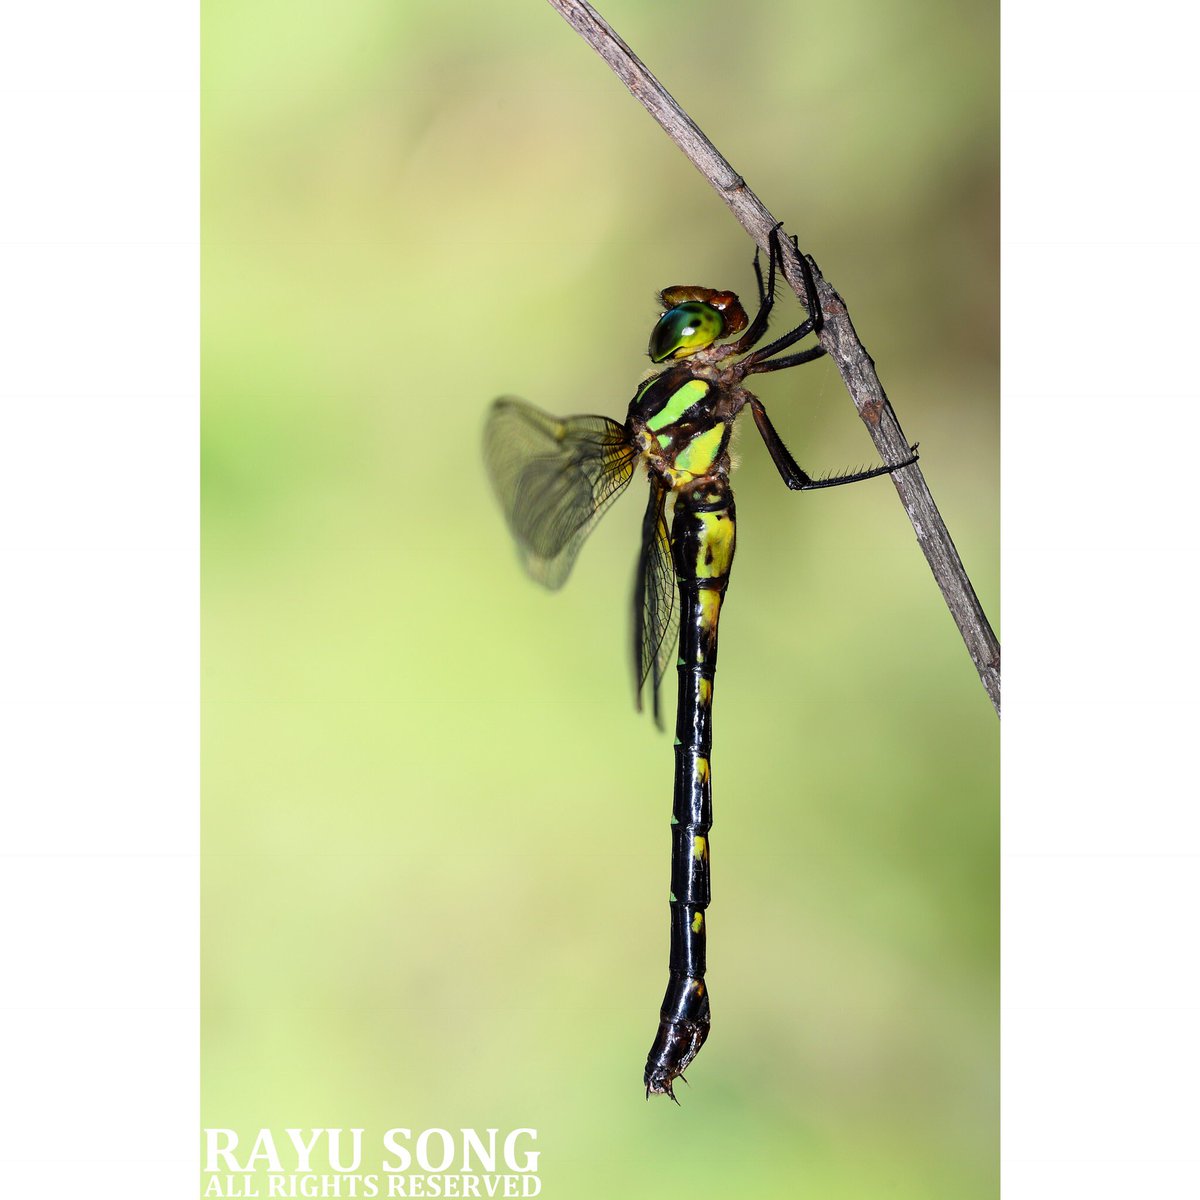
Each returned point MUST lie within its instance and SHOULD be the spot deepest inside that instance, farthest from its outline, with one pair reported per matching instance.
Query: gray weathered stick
(838, 337)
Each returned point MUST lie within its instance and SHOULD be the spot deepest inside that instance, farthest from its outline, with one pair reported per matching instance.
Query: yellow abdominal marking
(716, 546)
(700, 847)
(698, 922)
(706, 692)
(710, 610)
(702, 769)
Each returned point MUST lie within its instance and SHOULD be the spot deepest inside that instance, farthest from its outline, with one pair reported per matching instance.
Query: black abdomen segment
(702, 545)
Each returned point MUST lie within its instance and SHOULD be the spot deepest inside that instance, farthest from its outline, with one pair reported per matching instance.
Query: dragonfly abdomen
(702, 545)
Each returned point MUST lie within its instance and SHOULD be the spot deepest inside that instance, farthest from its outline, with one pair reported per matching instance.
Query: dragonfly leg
(756, 362)
(758, 278)
(766, 296)
(763, 359)
(798, 479)
(788, 360)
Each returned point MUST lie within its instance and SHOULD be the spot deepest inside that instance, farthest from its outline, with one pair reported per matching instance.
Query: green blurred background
(435, 834)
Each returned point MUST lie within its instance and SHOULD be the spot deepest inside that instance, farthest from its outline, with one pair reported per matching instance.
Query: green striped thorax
(674, 423)
(695, 317)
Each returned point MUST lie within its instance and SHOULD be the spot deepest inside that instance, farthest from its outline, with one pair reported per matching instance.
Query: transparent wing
(655, 612)
(554, 478)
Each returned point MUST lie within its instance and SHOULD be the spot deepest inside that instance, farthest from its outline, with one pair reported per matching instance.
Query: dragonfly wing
(655, 612)
(554, 477)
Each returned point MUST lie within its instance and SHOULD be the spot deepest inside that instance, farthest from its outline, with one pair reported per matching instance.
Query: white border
(99, 371)
(1101, 880)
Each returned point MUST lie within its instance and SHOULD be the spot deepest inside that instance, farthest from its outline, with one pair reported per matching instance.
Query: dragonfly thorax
(680, 422)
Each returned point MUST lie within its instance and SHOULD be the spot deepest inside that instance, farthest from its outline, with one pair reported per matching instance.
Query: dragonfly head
(695, 317)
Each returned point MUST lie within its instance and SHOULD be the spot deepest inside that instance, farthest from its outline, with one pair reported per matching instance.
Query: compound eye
(684, 329)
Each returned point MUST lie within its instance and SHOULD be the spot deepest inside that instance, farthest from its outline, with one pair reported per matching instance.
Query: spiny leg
(756, 362)
(788, 360)
(798, 479)
(766, 296)
(758, 278)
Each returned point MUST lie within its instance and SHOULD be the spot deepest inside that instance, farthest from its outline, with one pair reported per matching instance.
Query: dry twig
(838, 336)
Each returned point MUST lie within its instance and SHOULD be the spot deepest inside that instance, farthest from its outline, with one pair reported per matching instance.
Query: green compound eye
(683, 330)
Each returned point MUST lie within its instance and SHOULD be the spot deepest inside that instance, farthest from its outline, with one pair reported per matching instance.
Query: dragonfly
(556, 477)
